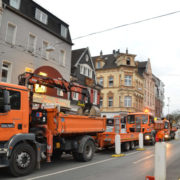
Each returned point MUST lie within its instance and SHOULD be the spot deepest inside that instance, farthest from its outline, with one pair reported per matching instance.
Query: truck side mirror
(7, 106)
(6, 97)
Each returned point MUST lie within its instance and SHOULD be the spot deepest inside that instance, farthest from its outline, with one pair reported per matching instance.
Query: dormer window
(15, 3)
(64, 31)
(128, 61)
(86, 70)
(41, 16)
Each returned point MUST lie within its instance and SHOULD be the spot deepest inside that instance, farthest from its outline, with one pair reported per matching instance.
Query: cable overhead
(128, 24)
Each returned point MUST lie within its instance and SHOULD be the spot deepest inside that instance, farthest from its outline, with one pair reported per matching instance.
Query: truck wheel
(132, 145)
(127, 146)
(153, 140)
(23, 160)
(88, 151)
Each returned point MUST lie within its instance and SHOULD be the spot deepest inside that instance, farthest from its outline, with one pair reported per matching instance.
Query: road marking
(71, 169)
(78, 167)
(148, 157)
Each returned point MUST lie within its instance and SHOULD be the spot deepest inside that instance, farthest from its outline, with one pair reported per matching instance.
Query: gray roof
(76, 54)
(109, 60)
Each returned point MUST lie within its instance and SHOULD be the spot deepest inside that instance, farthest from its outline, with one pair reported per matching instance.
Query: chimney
(126, 50)
(116, 53)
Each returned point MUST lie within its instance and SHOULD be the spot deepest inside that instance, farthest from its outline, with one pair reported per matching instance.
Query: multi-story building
(144, 68)
(159, 97)
(122, 84)
(83, 73)
(27, 31)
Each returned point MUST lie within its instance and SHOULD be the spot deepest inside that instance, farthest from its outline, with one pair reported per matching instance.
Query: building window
(75, 96)
(60, 92)
(101, 102)
(11, 34)
(128, 61)
(64, 31)
(45, 54)
(41, 16)
(32, 43)
(94, 97)
(101, 81)
(62, 59)
(15, 3)
(98, 65)
(111, 81)
(5, 76)
(86, 70)
(119, 101)
(110, 101)
(128, 80)
(128, 101)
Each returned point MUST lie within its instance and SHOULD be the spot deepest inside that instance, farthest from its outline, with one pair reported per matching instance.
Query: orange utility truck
(142, 122)
(27, 135)
(167, 131)
(117, 126)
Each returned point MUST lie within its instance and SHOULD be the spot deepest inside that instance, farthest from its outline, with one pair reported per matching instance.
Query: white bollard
(117, 144)
(177, 135)
(160, 161)
(141, 141)
(178, 131)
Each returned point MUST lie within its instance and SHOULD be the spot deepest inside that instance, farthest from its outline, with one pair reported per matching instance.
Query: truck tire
(88, 151)
(153, 141)
(132, 145)
(22, 160)
(127, 146)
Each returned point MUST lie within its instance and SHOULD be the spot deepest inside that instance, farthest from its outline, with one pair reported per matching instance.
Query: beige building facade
(149, 85)
(122, 84)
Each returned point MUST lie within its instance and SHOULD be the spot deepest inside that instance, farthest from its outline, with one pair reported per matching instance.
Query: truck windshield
(141, 119)
(144, 119)
(166, 125)
(130, 119)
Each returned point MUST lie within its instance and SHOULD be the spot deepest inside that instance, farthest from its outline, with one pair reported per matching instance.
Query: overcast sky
(158, 39)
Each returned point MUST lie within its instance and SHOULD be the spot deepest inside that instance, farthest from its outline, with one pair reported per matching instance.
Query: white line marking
(71, 169)
(143, 159)
(79, 167)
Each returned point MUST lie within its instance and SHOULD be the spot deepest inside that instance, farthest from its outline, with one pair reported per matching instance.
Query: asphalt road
(135, 165)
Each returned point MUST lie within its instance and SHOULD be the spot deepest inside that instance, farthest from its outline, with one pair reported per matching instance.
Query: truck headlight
(147, 137)
(166, 136)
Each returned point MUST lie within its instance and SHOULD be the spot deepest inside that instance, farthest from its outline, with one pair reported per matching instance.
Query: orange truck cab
(28, 135)
(142, 122)
(114, 126)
